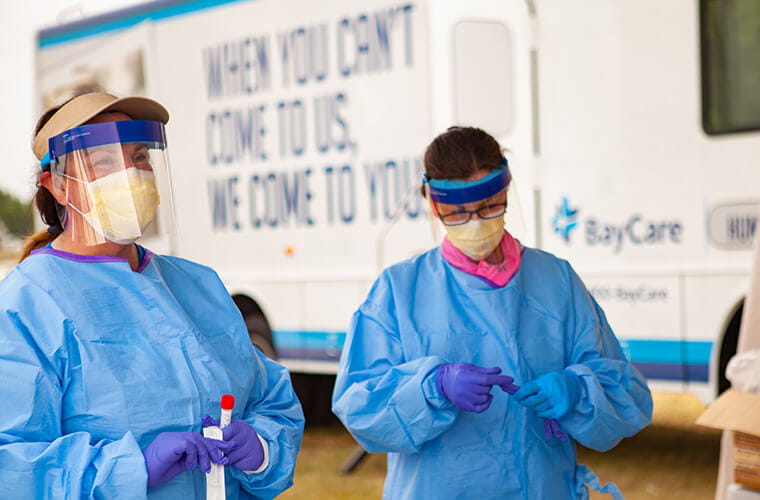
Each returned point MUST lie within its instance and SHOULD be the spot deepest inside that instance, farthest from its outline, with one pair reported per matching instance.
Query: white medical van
(298, 128)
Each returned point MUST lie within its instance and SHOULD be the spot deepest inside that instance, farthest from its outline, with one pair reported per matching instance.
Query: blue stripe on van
(656, 359)
(308, 354)
(301, 339)
(123, 18)
(674, 371)
(668, 351)
(310, 345)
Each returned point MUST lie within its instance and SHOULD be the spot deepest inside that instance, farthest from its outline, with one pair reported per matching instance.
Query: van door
(488, 80)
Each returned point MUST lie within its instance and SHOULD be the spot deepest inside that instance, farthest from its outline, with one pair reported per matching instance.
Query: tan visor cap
(83, 108)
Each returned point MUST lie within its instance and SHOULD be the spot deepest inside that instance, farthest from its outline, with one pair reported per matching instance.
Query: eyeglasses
(464, 216)
(103, 160)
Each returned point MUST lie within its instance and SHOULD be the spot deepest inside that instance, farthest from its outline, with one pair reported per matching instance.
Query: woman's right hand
(174, 452)
(468, 386)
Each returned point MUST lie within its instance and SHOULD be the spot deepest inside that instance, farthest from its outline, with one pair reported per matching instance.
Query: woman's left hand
(249, 453)
(551, 395)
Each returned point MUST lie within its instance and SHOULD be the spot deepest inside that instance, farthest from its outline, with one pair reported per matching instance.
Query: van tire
(261, 335)
(314, 391)
(728, 349)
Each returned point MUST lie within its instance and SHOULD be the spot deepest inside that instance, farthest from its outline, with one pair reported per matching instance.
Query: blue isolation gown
(424, 312)
(96, 360)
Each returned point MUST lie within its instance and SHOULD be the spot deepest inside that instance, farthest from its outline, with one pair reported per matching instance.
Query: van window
(730, 33)
(483, 76)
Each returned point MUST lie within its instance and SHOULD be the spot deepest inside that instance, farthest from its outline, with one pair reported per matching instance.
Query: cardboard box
(739, 412)
(747, 460)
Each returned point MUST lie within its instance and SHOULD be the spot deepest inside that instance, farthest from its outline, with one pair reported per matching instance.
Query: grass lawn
(673, 458)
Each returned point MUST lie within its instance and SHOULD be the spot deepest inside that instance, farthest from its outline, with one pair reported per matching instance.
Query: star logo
(565, 220)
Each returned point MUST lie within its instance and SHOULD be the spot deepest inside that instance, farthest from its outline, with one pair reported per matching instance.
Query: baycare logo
(635, 230)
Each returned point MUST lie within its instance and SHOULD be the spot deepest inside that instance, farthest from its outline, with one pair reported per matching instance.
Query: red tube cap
(228, 402)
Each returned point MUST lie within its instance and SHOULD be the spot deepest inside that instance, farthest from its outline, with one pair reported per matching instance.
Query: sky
(18, 26)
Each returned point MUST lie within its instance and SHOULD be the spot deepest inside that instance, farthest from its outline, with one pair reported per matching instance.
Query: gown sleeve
(615, 401)
(36, 459)
(388, 403)
(276, 415)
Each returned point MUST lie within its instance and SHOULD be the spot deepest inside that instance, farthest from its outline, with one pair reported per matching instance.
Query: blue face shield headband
(129, 131)
(461, 192)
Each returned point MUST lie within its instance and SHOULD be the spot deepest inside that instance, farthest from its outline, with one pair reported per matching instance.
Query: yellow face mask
(123, 204)
(477, 238)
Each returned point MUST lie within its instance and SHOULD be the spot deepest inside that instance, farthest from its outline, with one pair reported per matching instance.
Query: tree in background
(16, 215)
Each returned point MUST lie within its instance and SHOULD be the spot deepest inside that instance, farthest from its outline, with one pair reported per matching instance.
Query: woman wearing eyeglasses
(439, 331)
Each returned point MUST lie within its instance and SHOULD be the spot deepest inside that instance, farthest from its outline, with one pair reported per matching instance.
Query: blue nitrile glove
(468, 386)
(551, 395)
(551, 427)
(248, 455)
(174, 452)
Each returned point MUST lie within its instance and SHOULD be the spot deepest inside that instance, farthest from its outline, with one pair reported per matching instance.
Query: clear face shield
(451, 197)
(472, 212)
(113, 176)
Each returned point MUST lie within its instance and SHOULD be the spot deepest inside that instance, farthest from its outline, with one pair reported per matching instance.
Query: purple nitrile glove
(209, 421)
(551, 395)
(510, 388)
(174, 452)
(248, 455)
(551, 427)
(468, 386)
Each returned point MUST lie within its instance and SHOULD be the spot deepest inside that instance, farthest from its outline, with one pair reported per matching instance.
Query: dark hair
(461, 152)
(46, 205)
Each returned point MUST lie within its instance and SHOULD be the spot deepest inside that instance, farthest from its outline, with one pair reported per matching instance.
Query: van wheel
(314, 391)
(261, 335)
(728, 349)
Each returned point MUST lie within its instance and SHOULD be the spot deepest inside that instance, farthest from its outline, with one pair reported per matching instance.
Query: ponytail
(48, 209)
(35, 241)
(46, 205)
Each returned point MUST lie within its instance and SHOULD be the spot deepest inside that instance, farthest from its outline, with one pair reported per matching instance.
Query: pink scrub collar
(496, 275)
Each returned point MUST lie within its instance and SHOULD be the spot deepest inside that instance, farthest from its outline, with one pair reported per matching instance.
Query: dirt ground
(672, 458)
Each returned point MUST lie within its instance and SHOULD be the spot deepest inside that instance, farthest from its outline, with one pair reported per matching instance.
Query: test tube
(227, 404)
(215, 488)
